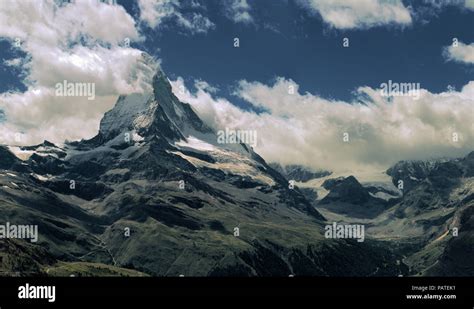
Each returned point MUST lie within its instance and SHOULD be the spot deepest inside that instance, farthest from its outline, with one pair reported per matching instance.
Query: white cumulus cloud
(238, 11)
(349, 14)
(460, 53)
(81, 42)
(309, 130)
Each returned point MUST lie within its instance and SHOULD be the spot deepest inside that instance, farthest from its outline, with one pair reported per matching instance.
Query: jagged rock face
(8, 159)
(442, 174)
(181, 114)
(411, 172)
(430, 184)
(469, 165)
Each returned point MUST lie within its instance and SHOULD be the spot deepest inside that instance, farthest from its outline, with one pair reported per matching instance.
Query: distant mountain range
(154, 193)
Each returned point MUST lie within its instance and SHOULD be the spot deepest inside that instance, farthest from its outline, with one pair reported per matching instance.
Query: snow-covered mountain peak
(157, 114)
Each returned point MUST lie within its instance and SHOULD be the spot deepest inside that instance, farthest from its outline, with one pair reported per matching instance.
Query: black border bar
(379, 292)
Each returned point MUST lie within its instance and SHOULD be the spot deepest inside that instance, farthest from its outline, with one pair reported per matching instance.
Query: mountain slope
(155, 192)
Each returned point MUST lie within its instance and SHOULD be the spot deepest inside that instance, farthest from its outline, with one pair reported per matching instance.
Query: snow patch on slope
(195, 143)
(21, 154)
(226, 161)
(126, 112)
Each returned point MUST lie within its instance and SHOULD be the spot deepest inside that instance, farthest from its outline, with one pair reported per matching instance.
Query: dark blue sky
(303, 49)
(311, 53)
(10, 77)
